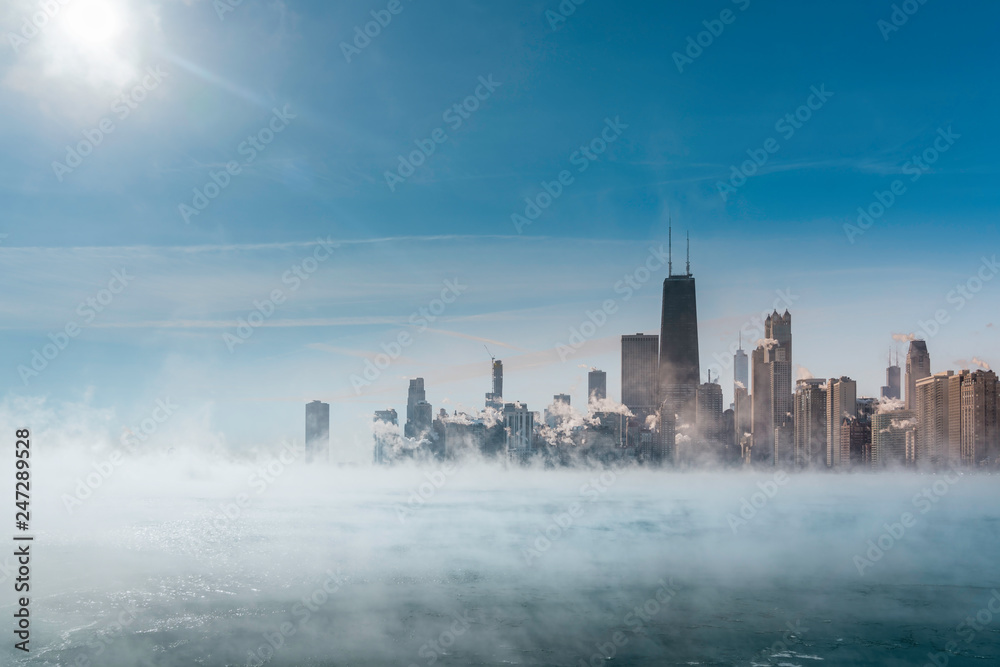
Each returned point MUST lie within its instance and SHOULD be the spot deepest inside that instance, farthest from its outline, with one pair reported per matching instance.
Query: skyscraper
(763, 415)
(494, 399)
(386, 434)
(933, 416)
(742, 412)
(856, 435)
(559, 411)
(317, 429)
(891, 390)
(419, 413)
(841, 404)
(867, 407)
(889, 430)
(640, 354)
(773, 411)
(680, 368)
(597, 386)
(954, 446)
(519, 429)
(741, 400)
(810, 423)
(778, 357)
(708, 444)
(980, 435)
(918, 367)
(741, 368)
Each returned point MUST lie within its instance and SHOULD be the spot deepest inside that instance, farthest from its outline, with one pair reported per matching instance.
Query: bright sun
(92, 42)
(92, 26)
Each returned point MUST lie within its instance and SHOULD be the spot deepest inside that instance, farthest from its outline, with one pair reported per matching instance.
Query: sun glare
(93, 25)
(90, 42)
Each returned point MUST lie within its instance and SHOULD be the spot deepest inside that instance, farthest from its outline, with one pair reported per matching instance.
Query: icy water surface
(336, 566)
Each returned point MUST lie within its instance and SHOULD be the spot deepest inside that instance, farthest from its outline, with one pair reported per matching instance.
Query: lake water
(181, 562)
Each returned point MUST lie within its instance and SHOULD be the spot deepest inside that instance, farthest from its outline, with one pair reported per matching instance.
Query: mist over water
(184, 558)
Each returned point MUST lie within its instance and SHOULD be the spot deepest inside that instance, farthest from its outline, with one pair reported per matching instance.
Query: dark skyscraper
(892, 387)
(639, 360)
(494, 399)
(708, 446)
(597, 386)
(810, 423)
(918, 367)
(741, 401)
(763, 414)
(778, 355)
(680, 370)
(741, 368)
(639, 369)
(317, 429)
(419, 413)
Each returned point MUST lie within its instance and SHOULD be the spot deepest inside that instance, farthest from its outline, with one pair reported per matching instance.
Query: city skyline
(944, 419)
(173, 328)
(394, 332)
(462, 378)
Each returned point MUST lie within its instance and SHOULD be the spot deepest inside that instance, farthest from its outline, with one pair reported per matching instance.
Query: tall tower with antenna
(494, 399)
(679, 366)
(893, 388)
(741, 367)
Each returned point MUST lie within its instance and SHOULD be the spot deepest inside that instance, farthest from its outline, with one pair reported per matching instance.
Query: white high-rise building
(519, 428)
(918, 367)
(810, 423)
(841, 404)
(933, 396)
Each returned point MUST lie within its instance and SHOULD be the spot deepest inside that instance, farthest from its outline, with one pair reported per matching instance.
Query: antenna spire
(670, 247)
(689, 254)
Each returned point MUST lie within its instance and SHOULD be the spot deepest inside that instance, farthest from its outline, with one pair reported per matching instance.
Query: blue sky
(218, 82)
